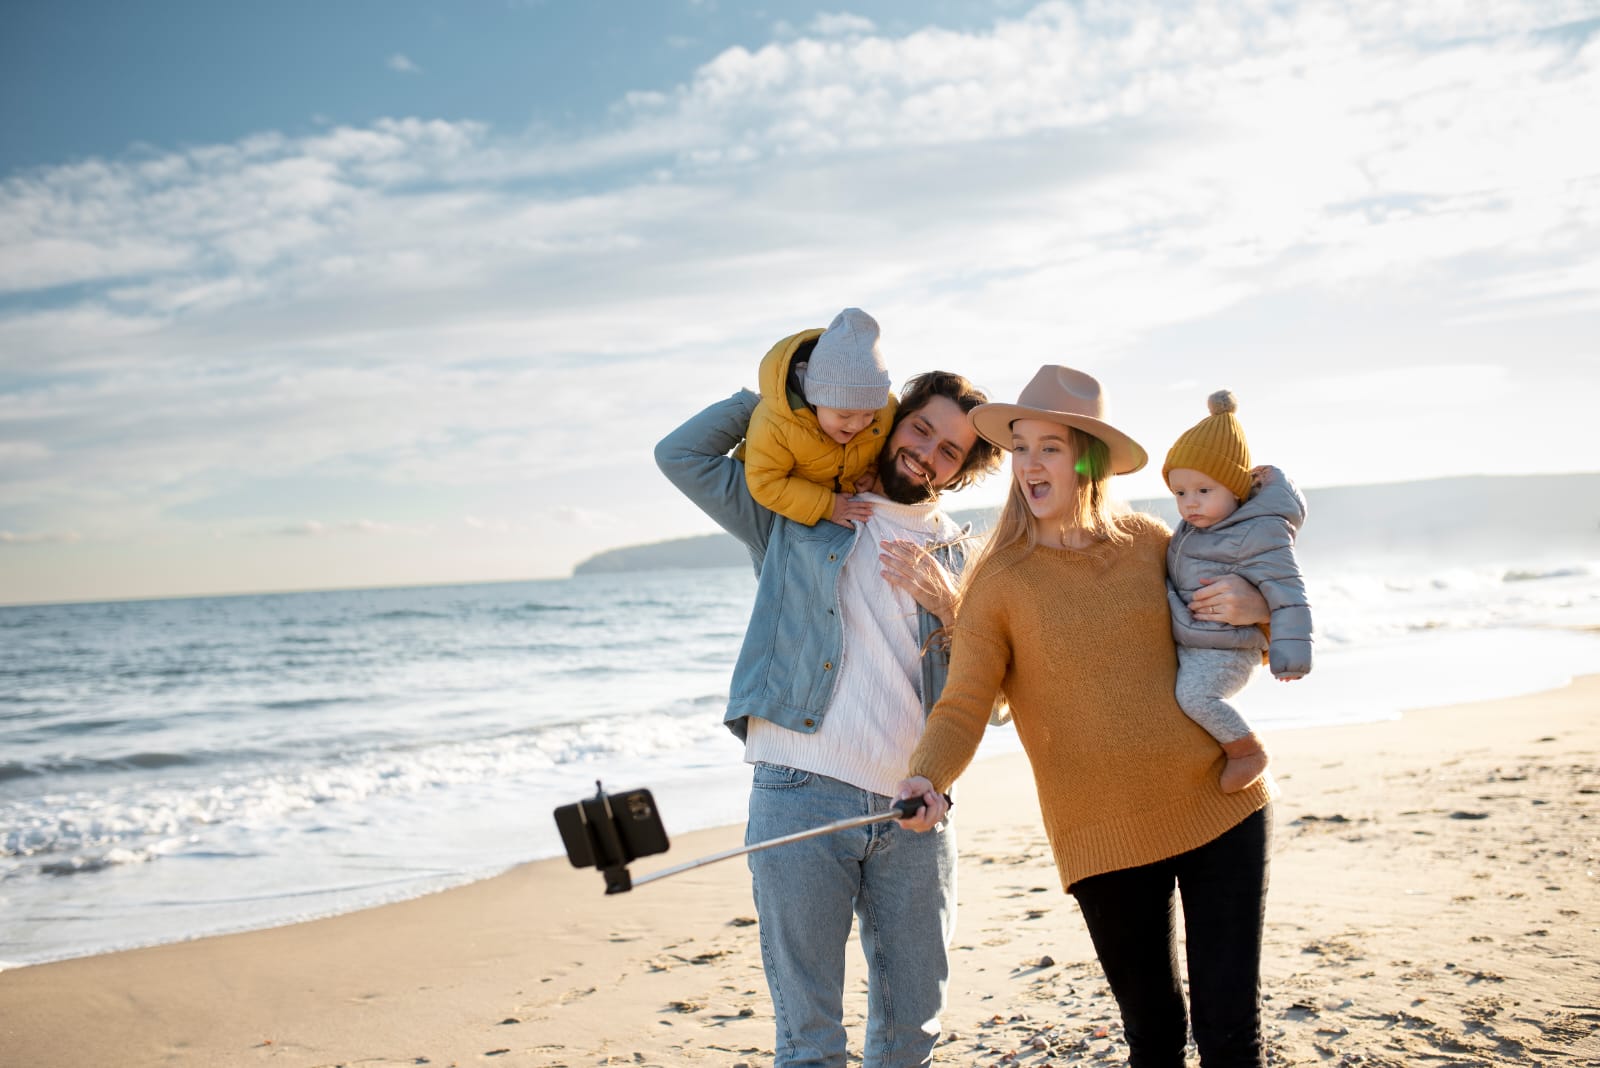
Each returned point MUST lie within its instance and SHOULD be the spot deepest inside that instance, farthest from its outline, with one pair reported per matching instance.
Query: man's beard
(899, 487)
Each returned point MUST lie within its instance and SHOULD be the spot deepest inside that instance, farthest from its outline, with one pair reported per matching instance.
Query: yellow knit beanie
(1215, 446)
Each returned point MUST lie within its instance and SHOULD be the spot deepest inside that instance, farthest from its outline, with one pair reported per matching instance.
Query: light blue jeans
(900, 884)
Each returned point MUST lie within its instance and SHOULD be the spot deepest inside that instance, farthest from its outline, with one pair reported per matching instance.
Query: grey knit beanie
(846, 369)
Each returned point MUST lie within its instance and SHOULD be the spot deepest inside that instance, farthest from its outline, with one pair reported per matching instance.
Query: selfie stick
(903, 809)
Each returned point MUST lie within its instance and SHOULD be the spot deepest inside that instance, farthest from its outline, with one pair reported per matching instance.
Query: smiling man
(829, 696)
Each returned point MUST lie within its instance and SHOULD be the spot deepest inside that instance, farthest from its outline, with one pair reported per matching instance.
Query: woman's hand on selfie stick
(934, 804)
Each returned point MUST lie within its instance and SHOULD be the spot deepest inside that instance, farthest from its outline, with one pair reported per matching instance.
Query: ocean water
(176, 768)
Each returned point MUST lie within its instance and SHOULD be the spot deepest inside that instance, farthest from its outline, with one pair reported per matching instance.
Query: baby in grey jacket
(1233, 521)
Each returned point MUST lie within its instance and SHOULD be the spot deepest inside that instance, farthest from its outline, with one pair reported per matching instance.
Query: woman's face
(1042, 463)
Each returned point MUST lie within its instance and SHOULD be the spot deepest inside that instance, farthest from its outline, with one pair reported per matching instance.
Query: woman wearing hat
(1066, 612)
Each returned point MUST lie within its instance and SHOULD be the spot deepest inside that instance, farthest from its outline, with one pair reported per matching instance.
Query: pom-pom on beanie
(1215, 446)
(846, 369)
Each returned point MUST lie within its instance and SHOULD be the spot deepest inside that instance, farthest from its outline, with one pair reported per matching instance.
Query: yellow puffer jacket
(791, 466)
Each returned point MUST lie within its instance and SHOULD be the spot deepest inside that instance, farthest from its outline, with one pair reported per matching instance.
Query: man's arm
(694, 457)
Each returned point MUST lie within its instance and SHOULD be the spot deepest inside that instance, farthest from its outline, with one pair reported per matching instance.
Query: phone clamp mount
(611, 831)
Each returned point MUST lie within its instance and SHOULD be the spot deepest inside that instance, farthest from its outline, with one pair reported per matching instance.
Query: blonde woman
(1066, 612)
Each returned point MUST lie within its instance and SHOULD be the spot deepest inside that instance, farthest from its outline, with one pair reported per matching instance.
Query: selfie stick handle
(903, 809)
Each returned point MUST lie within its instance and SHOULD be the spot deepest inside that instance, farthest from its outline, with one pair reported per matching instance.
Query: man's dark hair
(984, 456)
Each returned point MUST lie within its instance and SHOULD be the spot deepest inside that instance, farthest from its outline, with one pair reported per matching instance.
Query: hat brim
(993, 424)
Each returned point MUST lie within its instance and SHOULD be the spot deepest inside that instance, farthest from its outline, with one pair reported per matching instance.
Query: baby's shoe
(1247, 759)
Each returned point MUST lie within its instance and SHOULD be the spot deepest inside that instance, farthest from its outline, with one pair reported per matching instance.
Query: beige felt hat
(1061, 395)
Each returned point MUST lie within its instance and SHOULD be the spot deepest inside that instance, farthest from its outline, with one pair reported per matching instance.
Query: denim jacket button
(811, 723)
(827, 665)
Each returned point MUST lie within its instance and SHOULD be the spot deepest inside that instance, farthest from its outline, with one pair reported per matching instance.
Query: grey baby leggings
(1205, 678)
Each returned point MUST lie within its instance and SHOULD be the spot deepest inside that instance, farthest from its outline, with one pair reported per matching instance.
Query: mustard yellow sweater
(1082, 646)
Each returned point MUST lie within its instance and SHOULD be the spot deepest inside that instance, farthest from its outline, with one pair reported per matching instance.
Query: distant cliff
(704, 550)
(1477, 516)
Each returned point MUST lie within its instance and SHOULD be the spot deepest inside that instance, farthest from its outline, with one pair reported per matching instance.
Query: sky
(311, 294)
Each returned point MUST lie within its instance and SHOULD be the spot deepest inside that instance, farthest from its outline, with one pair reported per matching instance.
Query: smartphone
(611, 830)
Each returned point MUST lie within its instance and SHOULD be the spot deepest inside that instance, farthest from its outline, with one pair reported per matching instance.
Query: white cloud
(21, 452)
(8, 537)
(489, 526)
(315, 528)
(577, 517)
(401, 63)
(842, 24)
(261, 203)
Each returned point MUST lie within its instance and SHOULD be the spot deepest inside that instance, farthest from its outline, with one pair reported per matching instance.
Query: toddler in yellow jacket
(824, 416)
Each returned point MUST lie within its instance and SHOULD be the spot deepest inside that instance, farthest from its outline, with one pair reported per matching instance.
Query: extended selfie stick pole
(903, 809)
(608, 831)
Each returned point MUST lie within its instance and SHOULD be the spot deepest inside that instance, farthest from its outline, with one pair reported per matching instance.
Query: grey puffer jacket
(1256, 542)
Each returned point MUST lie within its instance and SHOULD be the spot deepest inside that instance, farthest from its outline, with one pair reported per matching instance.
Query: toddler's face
(1202, 500)
(842, 424)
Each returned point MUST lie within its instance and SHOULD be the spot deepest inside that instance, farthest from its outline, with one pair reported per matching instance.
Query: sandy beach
(1435, 901)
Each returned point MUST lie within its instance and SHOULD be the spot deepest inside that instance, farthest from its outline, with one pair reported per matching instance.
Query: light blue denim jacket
(787, 665)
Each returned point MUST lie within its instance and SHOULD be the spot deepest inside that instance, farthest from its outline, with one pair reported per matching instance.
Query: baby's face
(1202, 500)
(842, 424)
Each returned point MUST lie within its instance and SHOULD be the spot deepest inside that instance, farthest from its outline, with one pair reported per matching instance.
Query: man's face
(925, 452)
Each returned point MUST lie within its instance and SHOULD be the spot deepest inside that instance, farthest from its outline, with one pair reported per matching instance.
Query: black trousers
(1131, 915)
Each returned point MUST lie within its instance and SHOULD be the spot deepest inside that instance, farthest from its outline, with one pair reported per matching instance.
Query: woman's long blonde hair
(1094, 511)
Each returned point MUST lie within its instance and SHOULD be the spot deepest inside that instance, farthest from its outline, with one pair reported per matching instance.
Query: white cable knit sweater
(874, 719)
